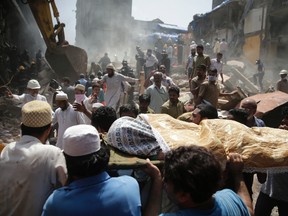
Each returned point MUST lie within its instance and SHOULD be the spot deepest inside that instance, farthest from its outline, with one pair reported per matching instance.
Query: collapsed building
(254, 29)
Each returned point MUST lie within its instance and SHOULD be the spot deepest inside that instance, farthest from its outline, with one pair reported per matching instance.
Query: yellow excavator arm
(65, 59)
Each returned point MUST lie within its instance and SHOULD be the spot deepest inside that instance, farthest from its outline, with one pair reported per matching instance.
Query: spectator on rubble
(65, 116)
(104, 61)
(68, 89)
(114, 86)
(189, 64)
(144, 102)
(166, 80)
(82, 79)
(150, 63)
(224, 50)
(33, 88)
(191, 178)
(282, 84)
(157, 93)
(173, 107)
(209, 91)
(216, 48)
(216, 63)
(128, 110)
(274, 190)
(25, 58)
(30, 168)
(90, 189)
(201, 58)
(258, 76)
(250, 106)
(39, 60)
(197, 81)
(165, 61)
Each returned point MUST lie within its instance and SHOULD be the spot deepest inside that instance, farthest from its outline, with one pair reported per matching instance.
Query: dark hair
(144, 98)
(285, 111)
(207, 111)
(193, 169)
(88, 165)
(66, 79)
(200, 46)
(174, 89)
(103, 118)
(219, 53)
(239, 115)
(128, 108)
(33, 131)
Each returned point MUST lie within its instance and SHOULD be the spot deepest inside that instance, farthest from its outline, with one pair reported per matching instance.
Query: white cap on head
(283, 72)
(80, 87)
(33, 84)
(97, 105)
(80, 140)
(61, 96)
(110, 66)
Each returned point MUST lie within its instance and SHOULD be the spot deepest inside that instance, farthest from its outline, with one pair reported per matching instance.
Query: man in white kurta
(114, 82)
(33, 87)
(65, 116)
(30, 169)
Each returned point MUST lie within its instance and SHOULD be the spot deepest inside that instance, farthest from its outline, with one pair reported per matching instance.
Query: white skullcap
(80, 87)
(81, 140)
(33, 84)
(283, 72)
(61, 96)
(110, 66)
(36, 114)
(97, 105)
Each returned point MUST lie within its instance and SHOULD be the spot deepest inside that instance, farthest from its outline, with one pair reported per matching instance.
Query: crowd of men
(73, 177)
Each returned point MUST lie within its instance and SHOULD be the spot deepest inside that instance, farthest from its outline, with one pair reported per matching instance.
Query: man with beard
(173, 106)
(65, 116)
(33, 87)
(30, 168)
(114, 82)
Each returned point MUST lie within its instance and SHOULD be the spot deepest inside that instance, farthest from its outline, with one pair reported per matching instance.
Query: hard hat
(33, 84)
(110, 66)
(283, 72)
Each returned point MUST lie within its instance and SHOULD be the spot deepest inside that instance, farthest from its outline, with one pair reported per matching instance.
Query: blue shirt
(96, 195)
(227, 203)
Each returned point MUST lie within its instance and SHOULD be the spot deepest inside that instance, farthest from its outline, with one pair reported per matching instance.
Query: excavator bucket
(67, 60)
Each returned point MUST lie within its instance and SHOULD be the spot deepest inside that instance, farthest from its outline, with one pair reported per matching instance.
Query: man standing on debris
(209, 91)
(114, 82)
(33, 87)
(259, 74)
(282, 84)
(197, 81)
(104, 61)
(150, 62)
(157, 93)
(30, 168)
(65, 116)
(216, 63)
(189, 65)
(201, 58)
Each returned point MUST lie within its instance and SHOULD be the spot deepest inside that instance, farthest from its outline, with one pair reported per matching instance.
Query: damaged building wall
(103, 26)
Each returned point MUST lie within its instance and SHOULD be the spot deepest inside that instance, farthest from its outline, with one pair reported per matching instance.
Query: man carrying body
(114, 81)
(191, 178)
(65, 116)
(173, 106)
(282, 84)
(30, 168)
(90, 190)
(33, 87)
(157, 92)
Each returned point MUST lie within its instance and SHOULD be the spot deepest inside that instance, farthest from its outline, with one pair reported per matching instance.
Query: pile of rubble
(10, 120)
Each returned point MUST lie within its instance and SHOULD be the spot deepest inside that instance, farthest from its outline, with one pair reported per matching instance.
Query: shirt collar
(90, 180)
